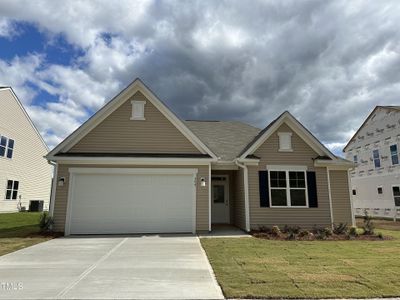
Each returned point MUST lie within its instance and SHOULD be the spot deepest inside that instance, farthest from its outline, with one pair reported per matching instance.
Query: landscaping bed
(320, 234)
(338, 232)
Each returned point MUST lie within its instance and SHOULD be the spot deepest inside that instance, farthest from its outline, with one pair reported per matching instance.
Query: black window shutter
(312, 189)
(263, 185)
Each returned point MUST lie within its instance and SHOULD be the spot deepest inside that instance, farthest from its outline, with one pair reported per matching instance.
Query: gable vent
(138, 110)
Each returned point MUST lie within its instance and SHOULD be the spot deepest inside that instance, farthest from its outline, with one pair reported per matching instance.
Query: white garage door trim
(144, 171)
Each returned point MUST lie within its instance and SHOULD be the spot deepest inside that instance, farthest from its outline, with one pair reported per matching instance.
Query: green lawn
(256, 268)
(19, 230)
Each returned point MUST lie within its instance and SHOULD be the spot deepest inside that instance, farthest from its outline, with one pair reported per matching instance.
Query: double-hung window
(3, 146)
(10, 148)
(6, 147)
(376, 158)
(12, 189)
(396, 195)
(288, 188)
(394, 154)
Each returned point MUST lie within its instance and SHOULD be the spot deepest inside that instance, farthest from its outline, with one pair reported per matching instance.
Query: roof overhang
(334, 164)
(112, 160)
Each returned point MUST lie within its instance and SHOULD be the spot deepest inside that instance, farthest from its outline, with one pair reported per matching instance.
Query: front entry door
(220, 200)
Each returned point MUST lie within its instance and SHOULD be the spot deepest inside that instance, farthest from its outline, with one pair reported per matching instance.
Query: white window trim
(6, 147)
(391, 156)
(282, 134)
(377, 192)
(12, 190)
(287, 188)
(394, 202)
(379, 159)
(135, 102)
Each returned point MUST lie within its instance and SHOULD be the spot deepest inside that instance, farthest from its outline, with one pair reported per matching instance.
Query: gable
(117, 133)
(379, 123)
(296, 127)
(269, 153)
(16, 124)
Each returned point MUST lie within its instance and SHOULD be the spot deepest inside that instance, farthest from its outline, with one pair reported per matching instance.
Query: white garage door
(113, 201)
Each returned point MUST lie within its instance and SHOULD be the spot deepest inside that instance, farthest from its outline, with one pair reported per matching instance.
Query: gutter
(246, 194)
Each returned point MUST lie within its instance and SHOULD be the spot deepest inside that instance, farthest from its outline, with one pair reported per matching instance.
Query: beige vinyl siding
(302, 155)
(60, 207)
(340, 197)
(117, 133)
(240, 215)
(27, 164)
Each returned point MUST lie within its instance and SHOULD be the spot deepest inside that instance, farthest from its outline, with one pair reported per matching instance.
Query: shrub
(368, 225)
(380, 235)
(353, 231)
(322, 233)
(341, 228)
(304, 233)
(328, 231)
(46, 221)
(264, 229)
(276, 231)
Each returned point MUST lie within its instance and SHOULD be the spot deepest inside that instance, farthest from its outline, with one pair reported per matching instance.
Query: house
(374, 148)
(25, 175)
(135, 167)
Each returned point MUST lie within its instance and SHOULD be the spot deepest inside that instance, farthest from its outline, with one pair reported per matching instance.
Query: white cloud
(329, 63)
(7, 28)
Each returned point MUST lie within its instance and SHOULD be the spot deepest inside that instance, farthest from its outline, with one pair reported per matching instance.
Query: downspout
(330, 195)
(353, 216)
(53, 188)
(209, 197)
(246, 194)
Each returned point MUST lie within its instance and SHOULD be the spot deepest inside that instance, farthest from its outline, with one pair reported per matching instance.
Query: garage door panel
(132, 203)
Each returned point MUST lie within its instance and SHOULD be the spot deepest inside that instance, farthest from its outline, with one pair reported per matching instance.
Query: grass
(19, 230)
(258, 268)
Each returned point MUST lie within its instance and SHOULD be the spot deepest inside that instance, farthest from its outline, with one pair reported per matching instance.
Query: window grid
(376, 158)
(396, 195)
(287, 184)
(12, 189)
(394, 154)
(6, 147)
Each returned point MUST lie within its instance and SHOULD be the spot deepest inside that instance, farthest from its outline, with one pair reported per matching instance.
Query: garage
(131, 200)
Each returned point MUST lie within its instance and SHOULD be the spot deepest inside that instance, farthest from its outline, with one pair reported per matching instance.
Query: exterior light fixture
(61, 181)
(202, 181)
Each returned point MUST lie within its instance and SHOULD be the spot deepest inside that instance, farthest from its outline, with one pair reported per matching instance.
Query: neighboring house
(135, 167)
(25, 175)
(374, 148)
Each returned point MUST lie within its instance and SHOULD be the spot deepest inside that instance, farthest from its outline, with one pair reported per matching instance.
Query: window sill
(137, 119)
(285, 150)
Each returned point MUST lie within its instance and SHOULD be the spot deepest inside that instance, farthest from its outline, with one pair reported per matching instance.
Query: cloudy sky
(327, 62)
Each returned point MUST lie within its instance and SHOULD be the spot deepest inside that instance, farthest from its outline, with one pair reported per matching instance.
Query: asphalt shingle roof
(226, 139)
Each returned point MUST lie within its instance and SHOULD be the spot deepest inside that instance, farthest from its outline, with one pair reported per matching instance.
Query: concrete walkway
(153, 267)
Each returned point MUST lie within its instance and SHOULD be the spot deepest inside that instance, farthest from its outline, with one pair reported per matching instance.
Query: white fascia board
(333, 164)
(143, 171)
(248, 161)
(130, 160)
(224, 166)
(298, 128)
(116, 102)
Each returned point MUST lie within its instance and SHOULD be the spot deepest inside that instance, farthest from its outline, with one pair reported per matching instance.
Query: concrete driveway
(148, 267)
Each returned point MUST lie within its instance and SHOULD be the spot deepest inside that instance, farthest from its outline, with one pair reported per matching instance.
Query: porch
(227, 200)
